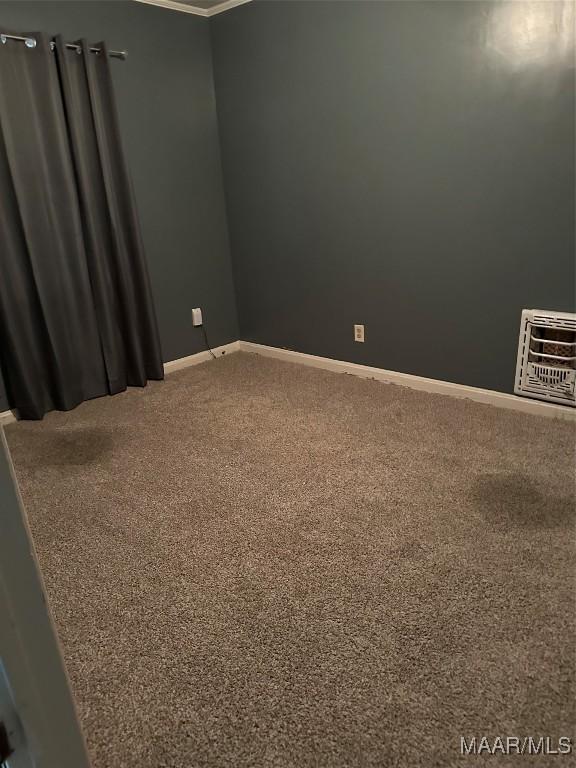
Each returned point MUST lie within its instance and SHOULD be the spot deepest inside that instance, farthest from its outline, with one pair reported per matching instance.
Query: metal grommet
(30, 42)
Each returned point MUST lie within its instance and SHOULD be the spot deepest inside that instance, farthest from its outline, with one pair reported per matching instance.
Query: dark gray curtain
(76, 313)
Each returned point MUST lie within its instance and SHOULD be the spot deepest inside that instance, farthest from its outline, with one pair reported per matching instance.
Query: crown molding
(226, 6)
(173, 5)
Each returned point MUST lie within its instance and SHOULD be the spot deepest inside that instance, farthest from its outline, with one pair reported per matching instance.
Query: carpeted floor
(256, 564)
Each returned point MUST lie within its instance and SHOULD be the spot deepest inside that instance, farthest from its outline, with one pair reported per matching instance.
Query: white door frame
(29, 648)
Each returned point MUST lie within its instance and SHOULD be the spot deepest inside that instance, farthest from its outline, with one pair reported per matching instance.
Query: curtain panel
(77, 318)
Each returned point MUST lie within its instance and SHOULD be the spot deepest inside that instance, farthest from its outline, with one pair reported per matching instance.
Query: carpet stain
(75, 447)
(518, 500)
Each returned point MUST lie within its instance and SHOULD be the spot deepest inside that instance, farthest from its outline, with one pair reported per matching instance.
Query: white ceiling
(197, 7)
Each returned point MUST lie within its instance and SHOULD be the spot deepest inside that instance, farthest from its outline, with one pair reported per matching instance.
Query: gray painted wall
(29, 648)
(406, 165)
(166, 100)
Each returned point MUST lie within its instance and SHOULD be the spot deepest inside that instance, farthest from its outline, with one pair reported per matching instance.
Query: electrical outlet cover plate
(197, 316)
(358, 333)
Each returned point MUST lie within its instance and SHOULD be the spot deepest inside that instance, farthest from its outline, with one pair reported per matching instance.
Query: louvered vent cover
(546, 364)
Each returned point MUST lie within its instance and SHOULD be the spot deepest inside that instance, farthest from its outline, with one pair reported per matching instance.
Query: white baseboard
(201, 357)
(6, 417)
(488, 396)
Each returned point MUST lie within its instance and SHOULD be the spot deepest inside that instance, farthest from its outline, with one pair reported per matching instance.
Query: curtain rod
(31, 43)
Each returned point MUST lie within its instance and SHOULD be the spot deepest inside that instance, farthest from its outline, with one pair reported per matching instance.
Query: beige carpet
(256, 564)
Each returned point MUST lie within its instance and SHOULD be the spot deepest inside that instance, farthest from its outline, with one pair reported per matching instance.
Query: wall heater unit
(546, 364)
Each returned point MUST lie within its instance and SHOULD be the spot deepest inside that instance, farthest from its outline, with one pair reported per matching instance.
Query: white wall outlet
(358, 333)
(197, 316)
